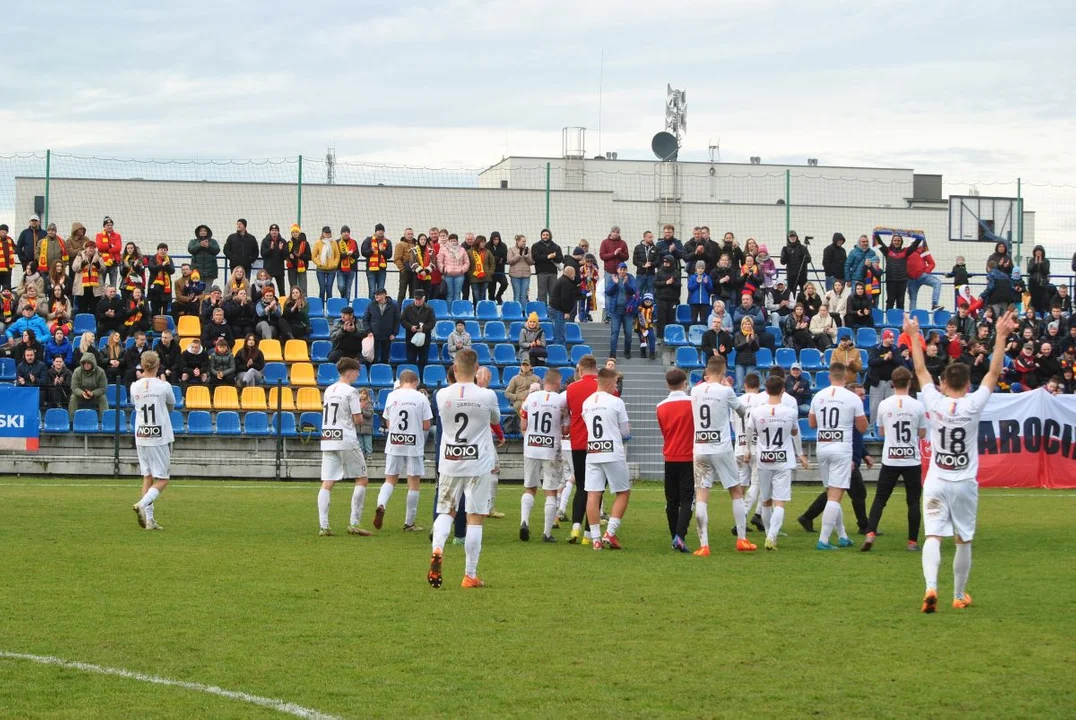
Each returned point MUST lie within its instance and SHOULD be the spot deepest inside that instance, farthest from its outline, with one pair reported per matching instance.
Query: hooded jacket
(1038, 271)
(204, 259)
(540, 252)
(274, 254)
(63, 349)
(920, 263)
(663, 291)
(834, 258)
(796, 259)
(93, 379)
(856, 262)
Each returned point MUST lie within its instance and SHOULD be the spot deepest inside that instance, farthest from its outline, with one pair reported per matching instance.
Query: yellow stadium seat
(309, 398)
(253, 398)
(271, 350)
(287, 400)
(303, 374)
(185, 343)
(189, 326)
(197, 398)
(295, 351)
(225, 397)
(237, 346)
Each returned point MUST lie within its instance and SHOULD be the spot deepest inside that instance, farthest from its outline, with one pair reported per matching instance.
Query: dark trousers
(666, 315)
(579, 501)
(913, 487)
(699, 314)
(382, 346)
(679, 494)
(895, 290)
(857, 491)
(418, 356)
(497, 287)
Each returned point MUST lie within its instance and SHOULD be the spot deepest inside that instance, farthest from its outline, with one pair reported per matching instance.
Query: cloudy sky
(976, 91)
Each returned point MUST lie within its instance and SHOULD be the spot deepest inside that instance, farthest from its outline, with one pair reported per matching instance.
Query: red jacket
(920, 263)
(677, 427)
(613, 252)
(576, 393)
(110, 247)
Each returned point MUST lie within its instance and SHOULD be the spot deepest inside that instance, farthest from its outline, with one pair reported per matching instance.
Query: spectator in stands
(88, 269)
(563, 299)
(467, 244)
(810, 299)
(575, 260)
(883, 360)
(167, 350)
(401, 258)
(28, 320)
(298, 258)
(936, 361)
(721, 314)
(28, 240)
(59, 346)
(31, 371)
(920, 266)
(847, 354)
(716, 340)
(453, 262)
(751, 278)
(778, 303)
(217, 328)
(588, 288)
(274, 254)
(834, 259)
(667, 291)
(766, 267)
(188, 291)
(88, 344)
(365, 428)
(480, 271)
(59, 312)
(959, 273)
(132, 359)
(237, 282)
(798, 386)
(241, 314)
(823, 329)
(532, 342)
(747, 308)
(241, 248)
(296, 314)
(377, 249)
(135, 313)
(58, 277)
(621, 303)
(203, 250)
(261, 281)
(520, 261)
(1038, 279)
(8, 312)
(699, 288)
(56, 389)
(547, 259)
(132, 271)
(499, 281)
(32, 297)
(209, 304)
(383, 319)
(745, 342)
(999, 292)
(837, 300)
(88, 384)
(8, 257)
(965, 323)
(860, 308)
(418, 319)
(1001, 256)
(724, 279)
(458, 339)
(114, 354)
(326, 258)
(796, 259)
(1049, 365)
(797, 329)
(221, 365)
(697, 250)
(519, 387)
(670, 245)
(437, 281)
(422, 264)
(49, 250)
(855, 264)
(645, 258)
(32, 282)
(249, 363)
(346, 336)
(161, 269)
(348, 271)
(194, 364)
(896, 268)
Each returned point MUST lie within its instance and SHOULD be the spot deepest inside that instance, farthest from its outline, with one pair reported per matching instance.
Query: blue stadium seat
(579, 351)
(310, 424)
(535, 306)
(573, 334)
(511, 311)
(567, 375)
(327, 374)
(922, 317)
(675, 335)
(110, 395)
(487, 310)
(942, 318)
(407, 366)
(85, 322)
(433, 376)
(200, 422)
(683, 314)
(827, 357)
(359, 305)
(319, 328)
(694, 335)
(86, 421)
(878, 315)
(433, 355)
(473, 329)
(494, 377)
(483, 353)
(894, 317)
(821, 380)
(57, 420)
(279, 424)
(442, 329)
(440, 309)
(398, 352)
(808, 433)
(502, 401)
(462, 309)
(255, 424)
(504, 354)
(228, 423)
(508, 373)
(315, 308)
(557, 355)
(687, 357)
(695, 377)
(785, 357)
(178, 426)
(547, 328)
(445, 358)
(381, 375)
(494, 332)
(866, 337)
(864, 357)
(408, 302)
(379, 426)
(811, 359)
(275, 373)
(381, 398)
(334, 306)
(778, 336)
(540, 371)
(763, 359)
(177, 393)
(843, 332)
(513, 331)
(108, 421)
(319, 351)
(7, 370)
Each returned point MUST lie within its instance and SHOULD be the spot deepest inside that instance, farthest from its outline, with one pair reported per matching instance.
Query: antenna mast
(330, 166)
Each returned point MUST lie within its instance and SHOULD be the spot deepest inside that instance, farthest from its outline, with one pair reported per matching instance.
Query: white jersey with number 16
(466, 411)
(606, 419)
(954, 433)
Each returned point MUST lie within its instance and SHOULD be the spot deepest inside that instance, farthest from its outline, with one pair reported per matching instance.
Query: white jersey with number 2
(954, 433)
(466, 411)
(901, 417)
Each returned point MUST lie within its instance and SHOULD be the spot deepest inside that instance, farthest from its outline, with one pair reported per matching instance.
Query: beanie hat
(295, 228)
(380, 227)
(533, 317)
(762, 249)
(887, 334)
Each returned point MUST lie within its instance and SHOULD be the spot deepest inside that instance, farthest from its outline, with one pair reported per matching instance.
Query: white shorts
(613, 474)
(478, 489)
(949, 508)
(546, 473)
(155, 460)
(723, 465)
(835, 470)
(409, 465)
(348, 464)
(775, 484)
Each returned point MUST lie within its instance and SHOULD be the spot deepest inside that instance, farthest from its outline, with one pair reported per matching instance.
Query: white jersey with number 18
(152, 399)
(466, 411)
(901, 417)
(606, 419)
(954, 433)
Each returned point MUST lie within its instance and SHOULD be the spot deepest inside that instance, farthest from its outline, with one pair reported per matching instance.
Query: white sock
(550, 515)
(749, 498)
(565, 497)
(526, 504)
(841, 532)
(358, 499)
(613, 526)
(767, 515)
(739, 514)
(829, 519)
(151, 495)
(961, 568)
(148, 510)
(931, 561)
(577, 527)
(323, 507)
(596, 533)
(473, 547)
(774, 525)
(385, 494)
(412, 507)
(442, 526)
(702, 522)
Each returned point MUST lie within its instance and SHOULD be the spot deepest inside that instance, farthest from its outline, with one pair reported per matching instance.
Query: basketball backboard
(982, 219)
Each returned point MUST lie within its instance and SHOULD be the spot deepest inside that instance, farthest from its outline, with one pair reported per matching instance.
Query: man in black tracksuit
(547, 260)
(667, 293)
(796, 259)
(833, 259)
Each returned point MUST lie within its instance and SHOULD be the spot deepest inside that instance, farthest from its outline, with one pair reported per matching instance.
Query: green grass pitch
(238, 592)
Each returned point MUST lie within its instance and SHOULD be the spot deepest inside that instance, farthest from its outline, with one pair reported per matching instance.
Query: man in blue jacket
(857, 259)
(621, 304)
(30, 320)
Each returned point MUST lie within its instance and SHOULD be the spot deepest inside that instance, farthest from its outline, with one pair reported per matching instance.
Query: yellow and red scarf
(134, 311)
(299, 248)
(164, 278)
(132, 276)
(7, 254)
(377, 259)
(479, 267)
(7, 305)
(91, 276)
(43, 255)
(347, 250)
(422, 254)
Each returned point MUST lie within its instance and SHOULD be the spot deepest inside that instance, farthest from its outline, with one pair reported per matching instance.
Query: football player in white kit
(608, 428)
(835, 411)
(543, 420)
(774, 442)
(153, 401)
(341, 456)
(408, 416)
(467, 459)
(567, 469)
(951, 490)
(754, 396)
(712, 405)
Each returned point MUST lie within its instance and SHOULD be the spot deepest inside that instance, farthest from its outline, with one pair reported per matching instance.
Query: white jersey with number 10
(466, 411)
(606, 419)
(954, 433)
(836, 410)
(712, 405)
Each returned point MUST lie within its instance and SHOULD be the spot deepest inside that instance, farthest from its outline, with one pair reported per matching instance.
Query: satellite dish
(665, 146)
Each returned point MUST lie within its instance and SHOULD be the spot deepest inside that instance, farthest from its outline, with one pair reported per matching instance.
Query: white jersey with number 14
(771, 428)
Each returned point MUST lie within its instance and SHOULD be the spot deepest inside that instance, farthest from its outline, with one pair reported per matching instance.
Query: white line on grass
(271, 703)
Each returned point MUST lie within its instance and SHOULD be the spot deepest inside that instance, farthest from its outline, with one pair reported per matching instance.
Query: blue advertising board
(20, 417)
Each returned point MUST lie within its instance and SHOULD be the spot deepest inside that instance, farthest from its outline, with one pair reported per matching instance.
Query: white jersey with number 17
(466, 411)
(339, 406)
(606, 419)
(954, 433)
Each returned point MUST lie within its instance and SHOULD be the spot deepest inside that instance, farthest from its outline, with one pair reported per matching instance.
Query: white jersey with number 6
(771, 426)
(339, 405)
(405, 411)
(606, 418)
(954, 433)
(466, 411)
(901, 417)
(545, 412)
(152, 399)
(712, 405)
(836, 410)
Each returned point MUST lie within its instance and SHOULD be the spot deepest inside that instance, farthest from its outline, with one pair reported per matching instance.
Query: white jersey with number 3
(545, 413)
(771, 426)
(466, 411)
(339, 406)
(954, 433)
(405, 411)
(712, 405)
(606, 418)
(836, 410)
(901, 417)
(152, 399)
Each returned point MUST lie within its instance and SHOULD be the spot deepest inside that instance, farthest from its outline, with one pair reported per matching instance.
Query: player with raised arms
(341, 456)
(153, 400)
(544, 422)
(951, 489)
(408, 415)
(835, 411)
(467, 459)
(608, 428)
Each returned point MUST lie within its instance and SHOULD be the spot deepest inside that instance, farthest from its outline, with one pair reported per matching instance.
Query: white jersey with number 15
(901, 418)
